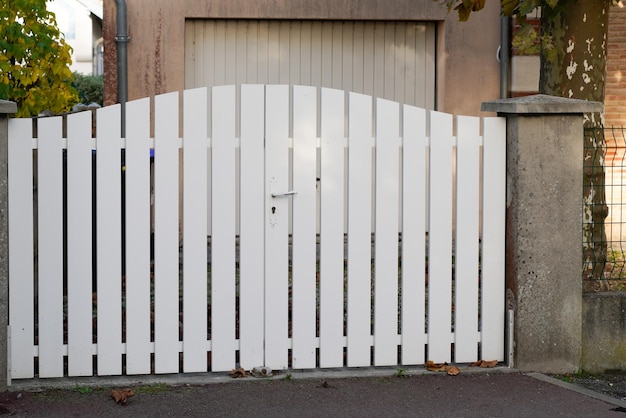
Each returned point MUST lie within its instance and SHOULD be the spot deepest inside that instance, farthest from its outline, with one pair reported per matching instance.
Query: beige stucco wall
(468, 72)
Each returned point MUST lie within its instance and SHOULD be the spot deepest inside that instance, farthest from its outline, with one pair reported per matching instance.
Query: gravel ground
(613, 385)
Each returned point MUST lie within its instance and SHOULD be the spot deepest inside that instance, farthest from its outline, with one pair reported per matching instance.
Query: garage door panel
(306, 36)
(357, 57)
(390, 60)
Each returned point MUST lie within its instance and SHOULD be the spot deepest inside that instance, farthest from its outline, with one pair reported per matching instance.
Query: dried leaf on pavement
(442, 367)
(237, 373)
(484, 364)
(453, 370)
(121, 396)
(492, 363)
(431, 366)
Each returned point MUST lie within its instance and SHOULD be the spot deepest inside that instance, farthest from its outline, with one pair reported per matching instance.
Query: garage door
(391, 60)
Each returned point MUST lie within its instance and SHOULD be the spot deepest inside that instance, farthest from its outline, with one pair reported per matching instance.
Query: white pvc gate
(304, 157)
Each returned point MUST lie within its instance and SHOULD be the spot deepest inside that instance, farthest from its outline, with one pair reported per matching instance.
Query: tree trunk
(576, 68)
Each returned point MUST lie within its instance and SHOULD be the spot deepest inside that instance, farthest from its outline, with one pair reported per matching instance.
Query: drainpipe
(504, 56)
(122, 39)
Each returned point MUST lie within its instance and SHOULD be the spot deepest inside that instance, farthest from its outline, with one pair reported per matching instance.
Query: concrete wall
(468, 72)
(544, 229)
(604, 332)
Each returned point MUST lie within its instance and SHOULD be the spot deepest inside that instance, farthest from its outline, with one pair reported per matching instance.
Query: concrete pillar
(6, 109)
(544, 228)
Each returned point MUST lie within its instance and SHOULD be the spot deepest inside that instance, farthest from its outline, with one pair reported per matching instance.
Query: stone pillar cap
(7, 107)
(541, 104)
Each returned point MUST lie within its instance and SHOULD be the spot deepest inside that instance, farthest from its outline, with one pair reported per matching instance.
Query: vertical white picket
(166, 274)
(195, 230)
(276, 225)
(440, 238)
(359, 230)
(331, 228)
(467, 239)
(109, 233)
(304, 219)
(21, 273)
(137, 174)
(494, 217)
(50, 251)
(413, 234)
(223, 229)
(252, 226)
(386, 234)
(79, 245)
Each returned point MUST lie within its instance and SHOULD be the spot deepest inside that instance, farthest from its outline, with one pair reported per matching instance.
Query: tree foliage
(34, 59)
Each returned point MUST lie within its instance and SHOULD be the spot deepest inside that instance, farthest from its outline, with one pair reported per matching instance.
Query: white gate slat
(252, 224)
(137, 174)
(195, 230)
(166, 274)
(359, 230)
(304, 282)
(109, 235)
(331, 228)
(79, 245)
(386, 234)
(223, 229)
(494, 217)
(440, 238)
(21, 261)
(252, 240)
(413, 234)
(467, 240)
(276, 226)
(50, 238)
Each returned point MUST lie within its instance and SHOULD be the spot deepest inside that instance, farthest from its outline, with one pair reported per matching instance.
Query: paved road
(497, 393)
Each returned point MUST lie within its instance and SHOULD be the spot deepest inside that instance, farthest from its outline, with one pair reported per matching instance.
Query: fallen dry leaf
(484, 364)
(492, 363)
(442, 367)
(237, 373)
(121, 396)
(453, 370)
(431, 366)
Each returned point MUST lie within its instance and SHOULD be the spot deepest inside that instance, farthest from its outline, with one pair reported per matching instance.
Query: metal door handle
(289, 193)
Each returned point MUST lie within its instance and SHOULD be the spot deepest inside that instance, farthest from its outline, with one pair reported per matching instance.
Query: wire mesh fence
(604, 209)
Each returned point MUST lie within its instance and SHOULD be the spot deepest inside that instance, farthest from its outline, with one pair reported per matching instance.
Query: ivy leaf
(526, 39)
(509, 7)
(526, 6)
(464, 7)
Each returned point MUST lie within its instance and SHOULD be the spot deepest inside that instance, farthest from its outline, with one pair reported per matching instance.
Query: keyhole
(273, 209)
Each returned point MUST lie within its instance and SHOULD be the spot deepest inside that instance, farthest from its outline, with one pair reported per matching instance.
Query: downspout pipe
(122, 39)
(505, 56)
